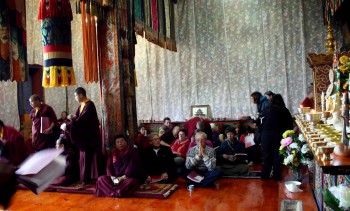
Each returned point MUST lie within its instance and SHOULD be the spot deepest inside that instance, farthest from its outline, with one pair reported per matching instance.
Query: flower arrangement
(337, 197)
(295, 152)
(344, 63)
(343, 73)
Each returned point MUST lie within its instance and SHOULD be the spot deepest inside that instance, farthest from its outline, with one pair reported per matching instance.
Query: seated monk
(228, 163)
(71, 174)
(125, 172)
(198, 123)
(12, 145)
(159, 160)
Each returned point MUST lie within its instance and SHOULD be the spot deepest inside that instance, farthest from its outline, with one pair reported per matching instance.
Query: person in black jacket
(158, 160)
(277, 119)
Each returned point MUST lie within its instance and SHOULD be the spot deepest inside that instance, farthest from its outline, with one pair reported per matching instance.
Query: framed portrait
(200, 111)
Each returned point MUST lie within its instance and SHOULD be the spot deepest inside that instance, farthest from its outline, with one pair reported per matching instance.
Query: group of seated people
(160, 158)
(153, 159)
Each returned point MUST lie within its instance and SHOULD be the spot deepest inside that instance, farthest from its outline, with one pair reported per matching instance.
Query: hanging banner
(56, 17)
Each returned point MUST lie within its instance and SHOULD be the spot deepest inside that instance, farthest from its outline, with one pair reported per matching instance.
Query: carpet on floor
(159, 191)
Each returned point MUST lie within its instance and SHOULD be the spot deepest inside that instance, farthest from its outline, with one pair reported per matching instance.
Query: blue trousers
(209, 176)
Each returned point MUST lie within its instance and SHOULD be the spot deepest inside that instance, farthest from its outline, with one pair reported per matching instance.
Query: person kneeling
(71, 174)
(232, 159)
(126, 172)
(200, 163)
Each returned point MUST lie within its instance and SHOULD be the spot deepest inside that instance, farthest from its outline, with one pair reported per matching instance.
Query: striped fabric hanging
(56, 17)
(89, 25)
(155, 19)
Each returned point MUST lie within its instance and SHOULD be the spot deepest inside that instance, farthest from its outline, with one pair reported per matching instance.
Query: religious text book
(45, 123)
(240, 157)
(39, 170)
(195, 177)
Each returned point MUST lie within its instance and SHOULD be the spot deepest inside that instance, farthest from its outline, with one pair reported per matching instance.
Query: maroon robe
(128, 164)
(85, 134)
(71, 173)
(15, 146)
(308, 102)
(40, 140)
(190, 126)
(142, 142)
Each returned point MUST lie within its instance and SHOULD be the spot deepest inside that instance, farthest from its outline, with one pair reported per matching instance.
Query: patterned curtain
(13, 46)
(9, 104)
(227, 50)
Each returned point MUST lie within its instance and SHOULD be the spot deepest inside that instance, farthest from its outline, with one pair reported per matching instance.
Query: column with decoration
(56, 17)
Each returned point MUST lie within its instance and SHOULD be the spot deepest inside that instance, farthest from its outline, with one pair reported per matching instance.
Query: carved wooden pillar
(116, 52)
(320, 64)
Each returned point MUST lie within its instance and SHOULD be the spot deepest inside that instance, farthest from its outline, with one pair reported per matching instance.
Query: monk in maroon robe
(13, 145)
(191, 125)
(125, 173)
(49, 135)
(71, 174)
(84, 130)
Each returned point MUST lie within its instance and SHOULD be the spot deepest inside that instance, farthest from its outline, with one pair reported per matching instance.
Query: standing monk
(84, 130)
(49, 135)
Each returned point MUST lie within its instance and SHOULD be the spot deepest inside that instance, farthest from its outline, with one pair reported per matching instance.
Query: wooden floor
(229, 194)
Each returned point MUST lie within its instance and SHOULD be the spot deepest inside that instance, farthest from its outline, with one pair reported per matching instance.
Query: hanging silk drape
(155, 19)
(89, 25)
(13, 46)
(56, 17)
(329, 8)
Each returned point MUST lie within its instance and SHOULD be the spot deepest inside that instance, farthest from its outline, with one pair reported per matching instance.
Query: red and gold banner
(56, 17)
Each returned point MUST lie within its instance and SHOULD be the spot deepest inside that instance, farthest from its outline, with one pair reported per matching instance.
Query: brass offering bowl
(317, 144)
(315, 139)
(313, 117)
(342, 150)
(326, 151)
(326, 114)
(305, 110)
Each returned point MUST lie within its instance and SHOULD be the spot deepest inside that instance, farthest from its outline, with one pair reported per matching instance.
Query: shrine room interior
(143, 60)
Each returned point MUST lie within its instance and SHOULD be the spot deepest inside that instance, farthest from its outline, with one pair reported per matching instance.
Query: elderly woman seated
(231, 159)
(180, 147)
(125, 169)
(159, 161)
